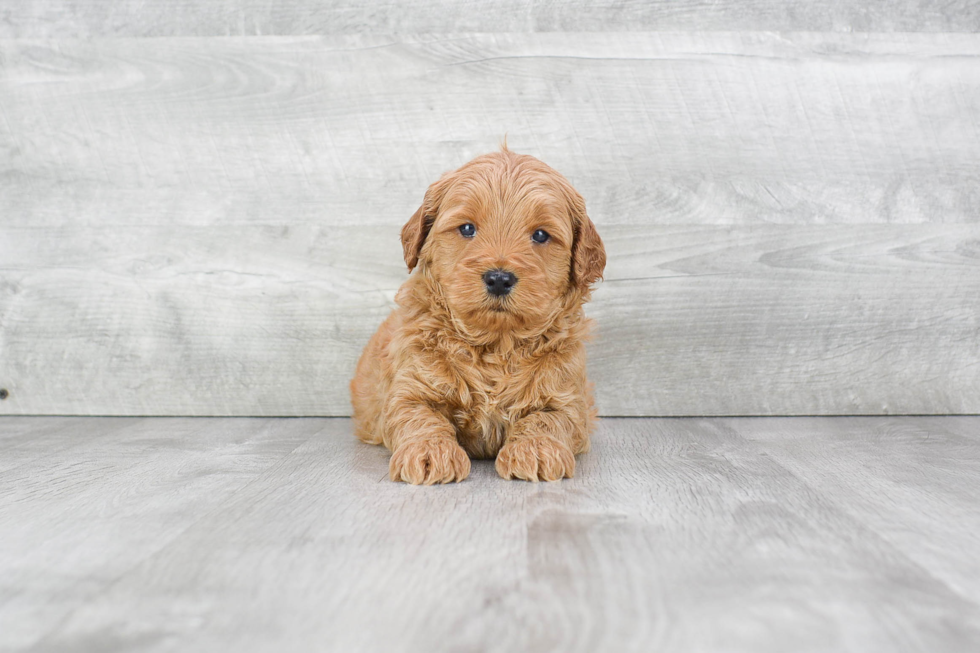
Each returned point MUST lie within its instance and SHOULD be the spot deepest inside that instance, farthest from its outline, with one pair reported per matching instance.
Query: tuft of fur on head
(507, 197)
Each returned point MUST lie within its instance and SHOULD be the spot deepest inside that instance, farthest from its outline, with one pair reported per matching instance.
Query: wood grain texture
(208, 226)
(672, 128)
(912, 481)
(25, 440)
(675, 535)
(115, 492)
(691, 320)
(100, 18)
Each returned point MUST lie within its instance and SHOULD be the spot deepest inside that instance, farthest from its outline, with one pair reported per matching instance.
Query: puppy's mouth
(498, 305)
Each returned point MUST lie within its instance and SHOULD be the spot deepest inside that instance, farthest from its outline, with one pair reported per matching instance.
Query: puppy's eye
(540, 236)
(467, 230)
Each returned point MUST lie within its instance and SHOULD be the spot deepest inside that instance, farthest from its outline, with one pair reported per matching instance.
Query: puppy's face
(507, 240)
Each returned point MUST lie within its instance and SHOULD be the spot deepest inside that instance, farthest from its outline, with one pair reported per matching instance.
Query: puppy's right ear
(417, 228)
(413, 236)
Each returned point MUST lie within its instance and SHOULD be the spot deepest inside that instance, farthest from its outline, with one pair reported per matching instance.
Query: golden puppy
(485, 354)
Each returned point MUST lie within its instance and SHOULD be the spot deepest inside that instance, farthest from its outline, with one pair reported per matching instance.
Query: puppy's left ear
(588, 252)
(417, 228)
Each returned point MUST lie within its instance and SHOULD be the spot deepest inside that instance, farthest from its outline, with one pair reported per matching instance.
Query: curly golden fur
(457, 370)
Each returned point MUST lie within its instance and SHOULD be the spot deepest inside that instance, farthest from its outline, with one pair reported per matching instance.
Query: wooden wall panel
(678, 128)
(209, 226)
(99, 18)
(713, 320)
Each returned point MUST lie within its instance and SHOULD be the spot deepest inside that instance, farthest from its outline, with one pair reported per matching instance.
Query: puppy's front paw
(425, 462)
(534, 458)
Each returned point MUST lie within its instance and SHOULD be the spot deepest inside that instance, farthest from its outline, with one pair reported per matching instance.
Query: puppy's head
(508, 242)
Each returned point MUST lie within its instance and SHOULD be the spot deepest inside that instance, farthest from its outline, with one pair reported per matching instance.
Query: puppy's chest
(496, 391)
(487, 403)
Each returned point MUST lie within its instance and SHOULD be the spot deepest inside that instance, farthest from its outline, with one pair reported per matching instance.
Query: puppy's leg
(424, 447)
(542, 446)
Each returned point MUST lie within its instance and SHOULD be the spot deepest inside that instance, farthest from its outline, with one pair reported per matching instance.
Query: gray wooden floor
(766, 534)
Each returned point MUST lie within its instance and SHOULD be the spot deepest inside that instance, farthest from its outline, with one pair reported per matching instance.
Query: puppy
(484, 355)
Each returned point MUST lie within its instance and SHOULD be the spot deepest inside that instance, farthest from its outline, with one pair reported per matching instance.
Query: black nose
(499, 282)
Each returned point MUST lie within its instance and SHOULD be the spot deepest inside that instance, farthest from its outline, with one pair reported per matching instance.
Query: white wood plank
(786, 320)
(12, 428)
(912, 480)
(95, 18)
(691, 320)
(25, 440)
(675, 535)
(682, 128)
(199, 321)
(78, 519)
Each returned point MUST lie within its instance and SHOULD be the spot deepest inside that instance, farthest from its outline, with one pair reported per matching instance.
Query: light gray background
(200, 202)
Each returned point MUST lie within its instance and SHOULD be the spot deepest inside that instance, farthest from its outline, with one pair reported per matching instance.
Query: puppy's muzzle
(499, 282)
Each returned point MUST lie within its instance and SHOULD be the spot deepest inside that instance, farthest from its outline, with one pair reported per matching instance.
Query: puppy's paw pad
(539, 458)
(427, 462)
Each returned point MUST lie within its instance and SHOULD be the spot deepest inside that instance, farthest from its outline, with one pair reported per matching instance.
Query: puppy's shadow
(482, 471)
